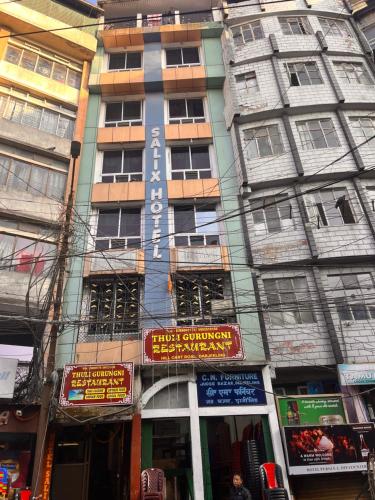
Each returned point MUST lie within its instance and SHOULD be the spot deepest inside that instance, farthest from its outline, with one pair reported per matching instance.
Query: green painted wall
(241, 276)
(73, 289)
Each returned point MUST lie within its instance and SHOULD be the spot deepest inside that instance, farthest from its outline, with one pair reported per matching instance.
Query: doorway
(92, 463)
(235, 444)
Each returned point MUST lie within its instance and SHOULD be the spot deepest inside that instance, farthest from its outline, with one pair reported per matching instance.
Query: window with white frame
(295, 26)
(182, 56)
(353, 296)
(334, 27)
(19, 175)
(275, 217)
(125, 61)
(263, 141)
(186, 110)
(190, 162)
(288, 301)
(203, 299)
(39, 114)
(303, 73)
(45, 63)
(123, 114)
(318, 134)
(353, 73)
(330, 207)
(247, 32)
(118, 228)
(371, 196)
(113, 306)
(247, 82)
(196, 225)
(125, 165)
(363, 129)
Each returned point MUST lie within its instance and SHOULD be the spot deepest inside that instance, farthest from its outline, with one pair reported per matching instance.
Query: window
(247, 82)
(125, 60)
(247, 32)
(330, 207)
(263, 141)
(184, 56)
(22, 176)
(274, 218)
(334, 27)
(118, 228)
(24, 255)
(203, 299)
(123, 114)
(32, 114)
(289, 301)
(295, 26)
(122, 166)
(371, 196)
(363, 128)
(114, 306)
(196, 225)
(303, 74)
(353, 296)
(45, 63)
(186, 111)
(190, 162)
(353, 73)
(318, 134)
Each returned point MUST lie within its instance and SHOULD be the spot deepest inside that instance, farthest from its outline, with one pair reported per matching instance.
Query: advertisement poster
(16, 464)
(230, 389)
(306, 410)
(97, 385)
(192, 343)
(324, 449)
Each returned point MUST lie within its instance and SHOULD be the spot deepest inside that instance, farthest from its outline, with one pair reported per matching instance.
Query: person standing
(238, 490)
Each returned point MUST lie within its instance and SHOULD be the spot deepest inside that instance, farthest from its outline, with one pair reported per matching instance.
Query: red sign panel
(192, 343)
(97, 385)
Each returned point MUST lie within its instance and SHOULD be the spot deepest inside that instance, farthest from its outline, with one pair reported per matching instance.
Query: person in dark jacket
(238, 490)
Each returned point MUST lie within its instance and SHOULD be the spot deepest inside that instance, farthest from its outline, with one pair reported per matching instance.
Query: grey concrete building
(300, 95)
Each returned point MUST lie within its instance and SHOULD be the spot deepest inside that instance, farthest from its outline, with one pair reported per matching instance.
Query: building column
(135, 458)
(196, 452)
(275, 430)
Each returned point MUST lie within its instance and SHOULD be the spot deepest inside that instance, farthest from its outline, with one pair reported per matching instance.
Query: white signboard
(361, 374)
(8, 368)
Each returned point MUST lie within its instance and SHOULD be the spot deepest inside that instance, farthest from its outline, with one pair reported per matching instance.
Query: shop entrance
(92, 463)
(233, 444)
(166, 445)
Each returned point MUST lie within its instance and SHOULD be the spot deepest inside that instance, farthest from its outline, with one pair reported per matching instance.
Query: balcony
(119, 135)
(173, 26)
(189, 79)
(206, 258)
(104, 192)
(121, 82)
(110, 261)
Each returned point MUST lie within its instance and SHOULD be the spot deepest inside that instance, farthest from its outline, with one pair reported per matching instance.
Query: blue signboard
(230, 389)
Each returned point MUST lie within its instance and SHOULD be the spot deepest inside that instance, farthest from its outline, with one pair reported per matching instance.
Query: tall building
(159, 276)
(300, 107)
(44, 69)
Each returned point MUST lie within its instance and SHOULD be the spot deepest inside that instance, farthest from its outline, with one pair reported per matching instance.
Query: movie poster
(323, 449)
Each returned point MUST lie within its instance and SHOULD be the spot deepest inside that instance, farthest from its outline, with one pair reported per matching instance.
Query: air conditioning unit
(224, 307)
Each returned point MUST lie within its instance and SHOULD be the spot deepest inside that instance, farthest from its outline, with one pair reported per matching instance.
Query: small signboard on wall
(230, 389)
(106, 384)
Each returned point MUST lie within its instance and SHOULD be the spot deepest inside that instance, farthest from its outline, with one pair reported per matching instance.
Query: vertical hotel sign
(105, 384)
(156, 193)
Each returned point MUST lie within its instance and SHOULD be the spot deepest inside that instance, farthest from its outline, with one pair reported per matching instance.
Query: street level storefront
(319, 443)
(18, 428)
(357, 382)
(208, 425)
(92, 460)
